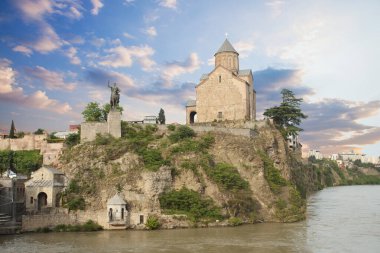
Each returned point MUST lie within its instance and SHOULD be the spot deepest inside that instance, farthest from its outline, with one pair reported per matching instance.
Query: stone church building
(226, 93)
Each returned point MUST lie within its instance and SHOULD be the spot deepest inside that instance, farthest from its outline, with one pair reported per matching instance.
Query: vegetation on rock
(22, 161)
(189, 202)
(152, 223)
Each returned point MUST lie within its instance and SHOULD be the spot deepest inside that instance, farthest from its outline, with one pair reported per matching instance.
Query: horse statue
(115, 96)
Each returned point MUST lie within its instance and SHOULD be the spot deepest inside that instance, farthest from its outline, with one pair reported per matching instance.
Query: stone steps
(4, 218)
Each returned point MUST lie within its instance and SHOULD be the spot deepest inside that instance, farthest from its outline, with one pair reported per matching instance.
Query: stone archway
(41, 200)
(193, 117)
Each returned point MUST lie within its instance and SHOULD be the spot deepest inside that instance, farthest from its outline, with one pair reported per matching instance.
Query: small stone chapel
(226, 93)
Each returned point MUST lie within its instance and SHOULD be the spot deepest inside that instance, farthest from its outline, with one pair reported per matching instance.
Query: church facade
(224, 94)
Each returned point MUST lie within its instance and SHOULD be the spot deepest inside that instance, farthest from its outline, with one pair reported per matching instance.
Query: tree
(161, 117)
(12, 131)
(288, 114)
(39, 131)
(93, 113)
(107, 108)
(72, 140)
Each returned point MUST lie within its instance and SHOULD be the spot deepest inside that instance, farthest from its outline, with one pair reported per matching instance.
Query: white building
(316, 153)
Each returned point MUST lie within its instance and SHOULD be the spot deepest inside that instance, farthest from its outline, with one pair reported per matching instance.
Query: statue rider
(115, 96)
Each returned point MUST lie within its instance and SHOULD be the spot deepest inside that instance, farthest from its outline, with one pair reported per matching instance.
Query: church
(224, 94)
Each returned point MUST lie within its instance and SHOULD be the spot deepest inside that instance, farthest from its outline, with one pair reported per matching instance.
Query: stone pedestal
(114, 123)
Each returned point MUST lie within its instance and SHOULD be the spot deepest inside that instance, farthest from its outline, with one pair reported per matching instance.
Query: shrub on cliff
(152, 223)
(180, 133)
(189, 202)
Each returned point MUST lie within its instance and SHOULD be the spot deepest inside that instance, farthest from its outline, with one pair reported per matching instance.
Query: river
(340, 219)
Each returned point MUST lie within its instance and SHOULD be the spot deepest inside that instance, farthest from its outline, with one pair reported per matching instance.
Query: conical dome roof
(226, 47)
(116, 200)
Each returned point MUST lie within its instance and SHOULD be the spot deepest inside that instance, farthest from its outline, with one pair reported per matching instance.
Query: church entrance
(193, 117)
(42, 200)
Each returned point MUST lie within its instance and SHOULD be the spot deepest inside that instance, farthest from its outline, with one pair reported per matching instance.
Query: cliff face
(205, 176)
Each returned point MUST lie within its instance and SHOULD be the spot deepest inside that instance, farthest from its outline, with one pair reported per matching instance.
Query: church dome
(116, 200)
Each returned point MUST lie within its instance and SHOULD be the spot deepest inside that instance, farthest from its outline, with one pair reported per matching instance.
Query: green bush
(171, 127)
(152, 158)
(104, 139)
(271, 174)
(152, 223)
(89, 226)
(189, 202)
(23, 161)
(235, 221)
(72, 140)
(180, 133)
(76, 203)
(226, 176)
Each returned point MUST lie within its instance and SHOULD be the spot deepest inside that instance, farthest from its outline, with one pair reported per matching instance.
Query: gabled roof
(220, 66)
(244, 72)
(226, 47)
(116, 200)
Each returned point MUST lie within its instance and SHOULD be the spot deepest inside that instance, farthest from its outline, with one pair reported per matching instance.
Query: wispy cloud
(171, 4)
(121, 56)
(97, 5)
(276, 7)
(244, 48)
(11, 93)
(173, 69)
(50, 79)
(72, 54)
(129, 36)
(151, 31)
(23, 49)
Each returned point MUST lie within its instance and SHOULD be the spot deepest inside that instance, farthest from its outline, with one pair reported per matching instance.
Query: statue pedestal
(114, 123)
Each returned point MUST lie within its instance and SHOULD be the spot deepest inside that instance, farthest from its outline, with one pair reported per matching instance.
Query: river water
(340, 219)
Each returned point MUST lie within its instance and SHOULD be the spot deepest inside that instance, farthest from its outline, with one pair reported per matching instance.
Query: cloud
(51, 80)
(276, 7)
(176, 68)
(48, 40)
(127, 35)
(23, 49)
(98, 42)
(100, 78)
(7, 76)
(97, 5)
(97, 95)
(11, 93)
(171, 4)
(121, 56)
(34, 10)
(72, 54)
(244, 48)
(151, 31)
(332, 125)
(154, 93)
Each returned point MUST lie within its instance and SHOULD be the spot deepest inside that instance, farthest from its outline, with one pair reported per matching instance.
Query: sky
(57, 56)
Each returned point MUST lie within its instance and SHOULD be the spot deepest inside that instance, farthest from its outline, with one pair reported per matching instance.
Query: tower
(227, 57)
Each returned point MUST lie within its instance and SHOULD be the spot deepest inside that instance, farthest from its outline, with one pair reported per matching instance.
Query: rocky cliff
(195, 178)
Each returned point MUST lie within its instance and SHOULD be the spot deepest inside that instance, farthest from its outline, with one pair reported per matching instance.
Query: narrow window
(220, 79)
(220, 115)
(141, 219)
(122, 213)
(31, 200)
